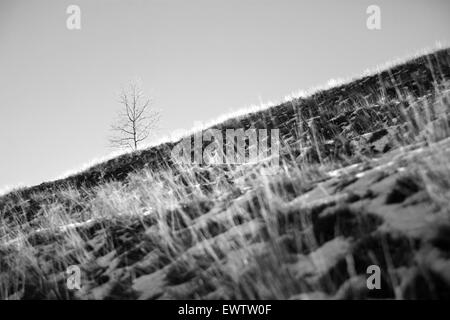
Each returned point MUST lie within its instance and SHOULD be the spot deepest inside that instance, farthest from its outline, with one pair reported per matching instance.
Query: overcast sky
(199, 58)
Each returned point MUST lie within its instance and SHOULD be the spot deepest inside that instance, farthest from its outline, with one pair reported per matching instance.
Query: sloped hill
(364, 180)
(416, 76)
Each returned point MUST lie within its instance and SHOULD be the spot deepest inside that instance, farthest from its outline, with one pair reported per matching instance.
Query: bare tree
(136, 119)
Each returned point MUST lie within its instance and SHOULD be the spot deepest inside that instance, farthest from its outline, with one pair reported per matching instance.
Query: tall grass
(238, 232)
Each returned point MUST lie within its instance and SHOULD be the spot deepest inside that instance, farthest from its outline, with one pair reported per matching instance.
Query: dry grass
(230, 232)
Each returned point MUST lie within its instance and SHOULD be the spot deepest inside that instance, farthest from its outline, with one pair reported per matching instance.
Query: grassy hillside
(364, 179)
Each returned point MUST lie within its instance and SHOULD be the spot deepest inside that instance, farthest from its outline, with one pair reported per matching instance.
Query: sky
(198, 59)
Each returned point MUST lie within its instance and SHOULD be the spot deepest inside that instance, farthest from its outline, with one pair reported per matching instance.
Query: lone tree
(136, 119)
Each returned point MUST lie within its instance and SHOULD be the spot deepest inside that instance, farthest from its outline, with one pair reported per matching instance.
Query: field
(364, 179)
